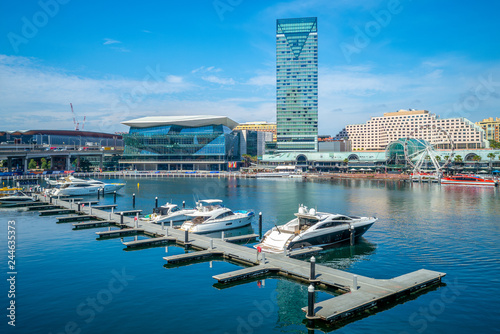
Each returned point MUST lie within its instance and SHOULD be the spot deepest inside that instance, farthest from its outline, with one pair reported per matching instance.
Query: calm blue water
(68, 282)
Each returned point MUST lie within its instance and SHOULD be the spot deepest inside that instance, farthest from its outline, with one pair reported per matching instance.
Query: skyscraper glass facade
(297, 84)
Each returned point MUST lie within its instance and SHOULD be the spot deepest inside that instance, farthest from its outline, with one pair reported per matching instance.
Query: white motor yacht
(108, 187)
(75, 189)
(311, 228)
(168, 212)
(211, 216)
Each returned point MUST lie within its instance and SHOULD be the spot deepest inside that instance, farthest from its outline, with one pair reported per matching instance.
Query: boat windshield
(199, 219)
(307, 221)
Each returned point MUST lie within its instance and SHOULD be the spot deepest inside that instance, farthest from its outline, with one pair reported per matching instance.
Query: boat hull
(217, 226)
(76, 192)
(469, 183)
(174, 219)
(277, 242)
(329, 239)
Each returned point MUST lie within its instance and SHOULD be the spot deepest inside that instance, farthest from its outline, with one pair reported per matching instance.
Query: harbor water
(69, 282)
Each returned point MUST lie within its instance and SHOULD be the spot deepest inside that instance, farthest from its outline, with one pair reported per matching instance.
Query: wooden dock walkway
(129, 212)
(366, 294)
(149, 242)
(93, 224)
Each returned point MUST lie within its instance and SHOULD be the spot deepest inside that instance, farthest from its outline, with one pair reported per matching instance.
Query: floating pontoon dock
(361, 292)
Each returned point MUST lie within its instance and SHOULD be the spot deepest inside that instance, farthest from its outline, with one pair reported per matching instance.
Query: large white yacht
(168, 212)
(211, 216)
(75, 189)
(311, 228)
(108, 187)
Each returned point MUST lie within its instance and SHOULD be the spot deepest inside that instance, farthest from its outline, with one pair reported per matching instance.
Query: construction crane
(75, 123)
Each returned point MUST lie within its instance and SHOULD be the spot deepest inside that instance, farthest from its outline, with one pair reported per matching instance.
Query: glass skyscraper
(297, 84)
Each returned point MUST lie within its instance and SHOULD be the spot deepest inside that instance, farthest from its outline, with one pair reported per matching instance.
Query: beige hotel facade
(379, 132)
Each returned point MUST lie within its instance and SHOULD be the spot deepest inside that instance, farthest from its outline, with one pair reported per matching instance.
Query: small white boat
(14, 198)
(311, 228)
(168, 212)
(211, 216)
(76, 189)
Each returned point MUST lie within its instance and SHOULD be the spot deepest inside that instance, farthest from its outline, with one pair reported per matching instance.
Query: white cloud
(108, 41)
(263, 80)
(174, 79)
(219, 80)
(204, 69)
(34, 96)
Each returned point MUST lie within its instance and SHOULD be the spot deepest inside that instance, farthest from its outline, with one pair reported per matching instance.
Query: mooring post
(186, 239)
(263, 257)
(102, 192)
(136, 220)
(98, 194)
(133, 200)
(354, 282)
(183, 204)
(90, 208)
(79, 207)
(156, 201)
(211, 243)
(121, 218)
(351, 229)
(310, 302)
(172, 224)
(312, 275)
(222, 235)
(50, 199)
(114, 196)
(260, 225)
(166, 232)
(162, 225)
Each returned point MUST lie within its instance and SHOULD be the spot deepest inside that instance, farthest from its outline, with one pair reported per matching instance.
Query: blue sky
(117, 61)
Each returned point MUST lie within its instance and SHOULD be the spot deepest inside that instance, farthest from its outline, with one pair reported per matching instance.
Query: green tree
(346, 161)
(491, 156)
(438, 158)
(85, 165)
(476, 158)
(458, 158)
(32, 164)
(49, 165)
(494, 144)
(446, 157)
(44, 163)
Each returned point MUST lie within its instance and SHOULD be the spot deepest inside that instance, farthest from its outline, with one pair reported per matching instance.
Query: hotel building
(297, 84)
(258, 126)
(379, 132)
(492, 128)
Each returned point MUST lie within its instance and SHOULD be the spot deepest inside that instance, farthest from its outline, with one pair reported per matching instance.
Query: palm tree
(491, 156)
(476, 158)
(458, 158)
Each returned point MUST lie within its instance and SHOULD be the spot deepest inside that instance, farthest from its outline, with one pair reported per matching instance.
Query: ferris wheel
(420, 148)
